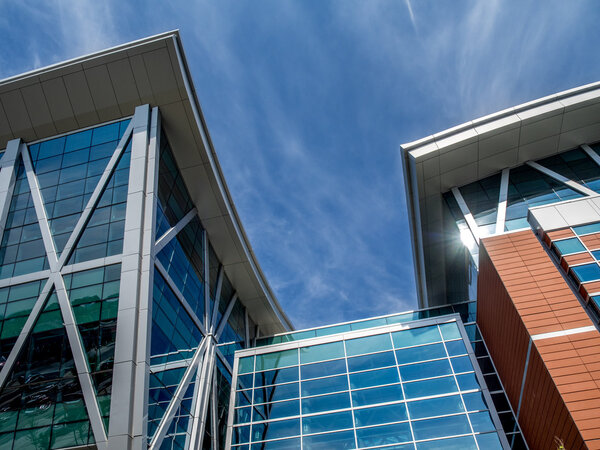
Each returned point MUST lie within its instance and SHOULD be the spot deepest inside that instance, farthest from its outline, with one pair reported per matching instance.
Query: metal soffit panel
(88, 90)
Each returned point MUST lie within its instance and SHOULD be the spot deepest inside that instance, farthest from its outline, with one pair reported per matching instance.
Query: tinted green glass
(422, 353)
(368, 344)
(276, 359)
(321, 352)
(416, 336)
(435, 407)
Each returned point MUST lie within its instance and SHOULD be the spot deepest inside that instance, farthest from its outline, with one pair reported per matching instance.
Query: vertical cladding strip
(204, 379)
(517, 274)
(502, 201)
(8, 176)
(126, 386)
(144, 320)
(206, 280)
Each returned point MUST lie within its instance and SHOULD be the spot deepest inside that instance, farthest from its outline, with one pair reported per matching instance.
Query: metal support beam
(591, 153)
(204, 381)
(161, 431)
(502, 201)
(562, 179)
(215, 312)
(206, 278)
(172, 232)
(466, 214)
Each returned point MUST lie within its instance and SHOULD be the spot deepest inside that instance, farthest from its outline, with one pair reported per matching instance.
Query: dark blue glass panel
(575, 165)
(324, 385)
(384, 435)
(374, 378)
(456, 348)
(240, 435)
(467, 381)
(435, 407)
(371, 361)
(175, 335)
(474, 401)
(276, 376)
(103, 234)
(162, 388)
(327, 422)
(587, 272)
(277, 410)
(426, 388)
(339, 441)
(276, 393)
(280, 444)
(457, 443)
(377, 395)
(380, 414)
(425, 370)
(568, 246)
(323, 369)
(423, 353)
(462, 364)
(481, 422)
(276, 429)
(440, 427)
(482, 199)
(325, 403)
(489, 441)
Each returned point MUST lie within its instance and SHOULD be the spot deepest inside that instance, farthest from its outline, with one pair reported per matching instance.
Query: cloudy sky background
(308, 101)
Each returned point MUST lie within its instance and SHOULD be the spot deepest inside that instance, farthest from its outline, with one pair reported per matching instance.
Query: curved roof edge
(108, 85)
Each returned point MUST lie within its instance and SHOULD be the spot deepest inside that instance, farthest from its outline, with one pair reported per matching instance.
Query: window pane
(426, 388)
(443, 426)
(458, 443)
(416, 336)
(276, 376)
(277, 359)
(324, 385)
(585, 229)
(327, 422)
(425, 370)
(343, 440)
(278, 429)
(388, 434)
(278, 410)
(587, 272)
(322, 352)
(423, 353)
(371, 361)
(435, 407)
(325, 403)
(374, 378)
(323, 369)
(380, 414)
(450, 331)
(568, 246)
(377, 395)
(368, 344)
(276, 393)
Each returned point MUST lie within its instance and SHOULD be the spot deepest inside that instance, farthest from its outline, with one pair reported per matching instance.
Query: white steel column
(466, 214)
(8, 177)
(125, 426)
(204, 378)
(502, 202)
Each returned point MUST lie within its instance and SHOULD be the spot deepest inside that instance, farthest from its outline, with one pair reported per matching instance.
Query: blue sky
(308, 101)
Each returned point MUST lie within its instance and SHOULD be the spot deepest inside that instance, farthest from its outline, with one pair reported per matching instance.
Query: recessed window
(587, 229)
(587, 272)
(568, 246)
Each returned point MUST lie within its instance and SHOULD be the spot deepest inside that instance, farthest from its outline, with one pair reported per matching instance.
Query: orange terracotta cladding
(519, 283)
(591, 241)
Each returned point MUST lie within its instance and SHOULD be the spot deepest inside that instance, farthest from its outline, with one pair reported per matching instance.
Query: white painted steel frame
(343, 336)
(464, 209)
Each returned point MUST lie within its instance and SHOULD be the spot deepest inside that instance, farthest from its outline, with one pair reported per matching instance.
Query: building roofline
(23, 96)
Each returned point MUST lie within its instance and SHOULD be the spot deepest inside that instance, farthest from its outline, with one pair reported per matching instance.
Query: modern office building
(504, 210)
(126, 278)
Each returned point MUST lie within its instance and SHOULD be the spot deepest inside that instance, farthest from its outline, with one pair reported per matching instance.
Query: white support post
(206, 278)
(127, 385)
(466, 214)
(173, 231)
(8, 176)
(215, 311)
(502, 201)
(562, 179)
(214, 411)
(205, 376)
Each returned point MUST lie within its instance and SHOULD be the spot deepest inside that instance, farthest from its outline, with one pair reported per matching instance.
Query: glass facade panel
(376, 399)
(568, 246)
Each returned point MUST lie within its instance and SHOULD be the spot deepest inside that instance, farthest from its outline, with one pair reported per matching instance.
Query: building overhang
(485, 146)
(108, 85)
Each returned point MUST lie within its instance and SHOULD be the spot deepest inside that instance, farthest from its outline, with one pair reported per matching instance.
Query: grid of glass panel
(68, 169)
(22, 249)
(94, 296)
(416, 387)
